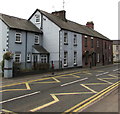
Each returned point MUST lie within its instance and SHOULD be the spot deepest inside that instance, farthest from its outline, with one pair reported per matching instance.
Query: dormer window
(37, 40)
(37, 18)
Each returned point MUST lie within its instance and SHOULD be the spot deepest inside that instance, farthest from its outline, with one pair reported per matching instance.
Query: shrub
(8, 55)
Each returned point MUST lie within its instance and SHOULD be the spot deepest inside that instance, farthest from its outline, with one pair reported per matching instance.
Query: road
(67, 92)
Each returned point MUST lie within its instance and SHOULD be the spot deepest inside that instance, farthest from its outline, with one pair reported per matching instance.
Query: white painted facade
(53, 42)
(4, 38)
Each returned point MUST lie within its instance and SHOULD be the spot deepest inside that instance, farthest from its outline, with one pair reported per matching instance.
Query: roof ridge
(13, 17)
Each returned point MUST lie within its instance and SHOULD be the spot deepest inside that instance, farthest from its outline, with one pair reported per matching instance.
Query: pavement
(60, 92)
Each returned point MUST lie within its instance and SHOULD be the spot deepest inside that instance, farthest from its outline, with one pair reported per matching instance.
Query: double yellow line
(88, 101)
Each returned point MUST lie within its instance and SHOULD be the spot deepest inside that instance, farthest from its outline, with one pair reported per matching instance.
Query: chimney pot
(90, 24)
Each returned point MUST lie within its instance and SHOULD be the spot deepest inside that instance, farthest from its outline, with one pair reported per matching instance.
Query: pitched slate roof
(72, 26)
(18, 23)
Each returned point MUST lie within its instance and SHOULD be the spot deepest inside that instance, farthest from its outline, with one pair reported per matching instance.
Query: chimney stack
(90, 24)
(61, 14)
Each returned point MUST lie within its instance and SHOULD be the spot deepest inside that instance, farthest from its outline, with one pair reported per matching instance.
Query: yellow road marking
(13, 90)
(88, 88)
(76, 76)
(99, 71)
(37, 80)
(46, 105)
(28, 87)
(75, 93)
(112, 75)
(56, 99)
(55, 79)
(110, 78)
(4, 110)
(46, 82)
(76, 110)
(72, 108)
(95, 83)
(105, 80)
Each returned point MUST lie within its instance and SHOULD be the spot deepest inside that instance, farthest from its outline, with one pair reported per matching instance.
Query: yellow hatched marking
(46, 82)
(37, 80)
(95, 83)
(4, 110)
(105, 81)
(57, 100)
(55, 79)
(75, 93)
(99, 71)
(76, 110)
(28, 87)
(112, 75)
(76, 76)
(110, 78)
(88, 88)
(13, 90)
(46, 105)
(72, 108)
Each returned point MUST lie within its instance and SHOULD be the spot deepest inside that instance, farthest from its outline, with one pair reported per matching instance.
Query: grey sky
(104, 13)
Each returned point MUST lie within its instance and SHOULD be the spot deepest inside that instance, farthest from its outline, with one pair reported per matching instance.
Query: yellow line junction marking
(54, 96)
(27, 88)
(75, 93)
(7, 111)
(86, 102)
(57, 100)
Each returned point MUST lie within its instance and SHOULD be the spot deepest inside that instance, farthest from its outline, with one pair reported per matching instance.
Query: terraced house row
(50, 38)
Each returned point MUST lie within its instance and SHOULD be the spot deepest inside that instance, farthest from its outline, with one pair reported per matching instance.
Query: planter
(8, 68)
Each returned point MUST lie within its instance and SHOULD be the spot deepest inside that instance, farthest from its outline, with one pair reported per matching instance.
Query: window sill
(65, 65)
(75, 44)
(18, 42)
(65, 43)
(37, 22)
(75, 64)
(28, 61)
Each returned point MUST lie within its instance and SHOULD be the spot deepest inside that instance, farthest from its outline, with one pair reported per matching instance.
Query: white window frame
(38, 39)
(37, 18)
(75, 57)
(65, 38)
(43, 58)
(17, 55)
(98, 57)
(75, 39)
(65, 58)
(18, 35)
(28, 57)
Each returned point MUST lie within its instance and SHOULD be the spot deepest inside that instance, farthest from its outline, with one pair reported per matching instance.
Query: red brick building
(96, 50)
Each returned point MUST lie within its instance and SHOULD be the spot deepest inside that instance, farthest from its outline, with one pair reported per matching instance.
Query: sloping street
(69, 91)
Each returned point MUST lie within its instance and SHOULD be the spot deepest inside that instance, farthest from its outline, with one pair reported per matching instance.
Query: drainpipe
(60, 65)
(26, 51)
